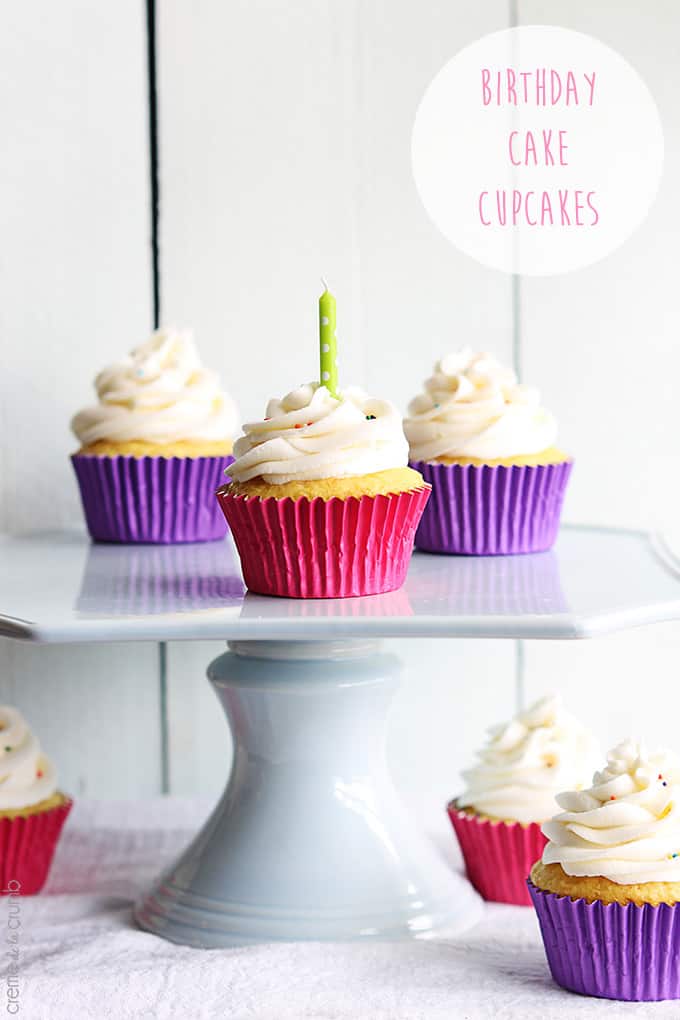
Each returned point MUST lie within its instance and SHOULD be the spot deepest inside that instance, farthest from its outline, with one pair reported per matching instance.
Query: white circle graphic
(537, 150)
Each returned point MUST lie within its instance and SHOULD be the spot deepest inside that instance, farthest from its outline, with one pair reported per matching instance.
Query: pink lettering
(555, 88)
(546, 209)
(596, 215)
(571, 90)
(578, 208)
(563, 196)
(532, 223)
(486, 91)
(563, 148)
(516, 205)
(512, 93)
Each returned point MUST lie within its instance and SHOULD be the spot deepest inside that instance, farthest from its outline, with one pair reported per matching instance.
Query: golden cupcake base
(591, 888)
(56, 800)
(142, 448)
(550, 456)
(381, 483)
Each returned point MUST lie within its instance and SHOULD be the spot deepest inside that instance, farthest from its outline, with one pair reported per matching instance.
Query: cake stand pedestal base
(309, 840)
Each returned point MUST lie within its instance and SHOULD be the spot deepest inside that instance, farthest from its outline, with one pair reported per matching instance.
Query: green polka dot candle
(328, 344)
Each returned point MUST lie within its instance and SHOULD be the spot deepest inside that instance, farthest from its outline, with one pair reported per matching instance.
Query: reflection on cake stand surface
(309, 840)
(151, 579)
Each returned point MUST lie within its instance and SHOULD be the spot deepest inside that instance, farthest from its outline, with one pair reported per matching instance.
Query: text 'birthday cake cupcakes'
(608, 886)
(322, 503)
(487, 447)
(155, 447)
(32, 810)
(512, 790)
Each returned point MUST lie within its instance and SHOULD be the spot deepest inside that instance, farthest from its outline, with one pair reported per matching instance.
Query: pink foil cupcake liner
(491, 511)
(27, 846)
(498, 855)
(162, 500)
(318, 549)
(608, 950)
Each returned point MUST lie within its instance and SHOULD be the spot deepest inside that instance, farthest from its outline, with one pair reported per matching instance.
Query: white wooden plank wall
(75, 290)
(603, 344)
(96, 712)
(285, 153)
(258, 167)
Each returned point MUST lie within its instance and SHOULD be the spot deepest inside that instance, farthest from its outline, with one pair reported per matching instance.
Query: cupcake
(321, 501)
(32, 810)
(487, 447)
(607, 887)
(154, 449)
(511, 792)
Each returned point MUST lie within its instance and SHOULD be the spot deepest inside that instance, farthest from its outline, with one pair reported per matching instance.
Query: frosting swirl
(27, 776)
(527, 761)
(159, 393)
(626, 827)
(309, 434)
(474, 407)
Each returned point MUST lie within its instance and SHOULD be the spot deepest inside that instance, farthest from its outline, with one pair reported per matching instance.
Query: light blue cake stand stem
(309, 840)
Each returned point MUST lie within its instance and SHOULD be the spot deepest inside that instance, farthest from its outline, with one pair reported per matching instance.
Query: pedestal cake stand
(310, 840)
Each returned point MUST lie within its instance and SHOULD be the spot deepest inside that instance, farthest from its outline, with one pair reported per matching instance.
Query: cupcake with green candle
(322, 503)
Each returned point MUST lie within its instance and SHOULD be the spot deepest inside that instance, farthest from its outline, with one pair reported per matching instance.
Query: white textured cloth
(82, 956)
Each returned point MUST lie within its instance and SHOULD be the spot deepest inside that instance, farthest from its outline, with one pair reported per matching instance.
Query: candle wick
(325, 285)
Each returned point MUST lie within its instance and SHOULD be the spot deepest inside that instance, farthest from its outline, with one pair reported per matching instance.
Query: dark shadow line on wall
(153, 154)
(154, 191)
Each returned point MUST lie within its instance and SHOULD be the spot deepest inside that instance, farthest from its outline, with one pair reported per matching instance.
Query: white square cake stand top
(59, 587)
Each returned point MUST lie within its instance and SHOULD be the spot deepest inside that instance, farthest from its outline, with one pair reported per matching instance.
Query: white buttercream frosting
(309, 434)
(159, 393)
(473, 406)
(527, 761)
(27, 776)
(626, 826)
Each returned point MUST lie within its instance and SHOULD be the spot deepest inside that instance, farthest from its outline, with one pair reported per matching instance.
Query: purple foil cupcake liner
(491, 511)
(610, 951)
(161, 500)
